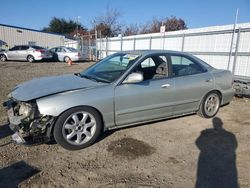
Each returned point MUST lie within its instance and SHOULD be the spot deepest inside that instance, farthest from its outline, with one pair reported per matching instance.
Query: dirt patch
(130, 148)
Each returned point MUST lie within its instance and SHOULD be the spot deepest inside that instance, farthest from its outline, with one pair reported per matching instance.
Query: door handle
(165, 86)
(209, 80)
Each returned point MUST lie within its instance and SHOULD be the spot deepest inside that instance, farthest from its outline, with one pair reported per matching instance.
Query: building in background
(12, 35)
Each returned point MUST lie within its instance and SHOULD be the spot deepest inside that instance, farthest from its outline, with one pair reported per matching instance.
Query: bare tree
(132, 29)
(108, 23)
(172, 24)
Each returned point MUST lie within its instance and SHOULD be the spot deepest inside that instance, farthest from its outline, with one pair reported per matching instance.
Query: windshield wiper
(89, 77)
(96, 79)
(77, 74)
(102, 80)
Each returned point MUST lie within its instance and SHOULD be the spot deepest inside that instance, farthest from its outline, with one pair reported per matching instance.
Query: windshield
(111, 68)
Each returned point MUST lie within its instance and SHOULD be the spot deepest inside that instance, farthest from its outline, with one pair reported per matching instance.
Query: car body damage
(25, 118)
(28, 124)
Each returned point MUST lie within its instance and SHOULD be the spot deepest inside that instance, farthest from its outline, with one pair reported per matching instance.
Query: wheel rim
(30, 59)
(212, 104)
(2, 58)
(66, 59)
(79, 128)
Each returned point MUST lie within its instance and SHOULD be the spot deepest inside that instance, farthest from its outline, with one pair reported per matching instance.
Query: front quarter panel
(100, 98)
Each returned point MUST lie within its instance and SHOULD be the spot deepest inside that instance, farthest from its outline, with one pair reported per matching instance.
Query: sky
(35, 14)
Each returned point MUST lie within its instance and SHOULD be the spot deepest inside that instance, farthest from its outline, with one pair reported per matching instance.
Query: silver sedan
(124, 89)
(28, 53)
(65, 54)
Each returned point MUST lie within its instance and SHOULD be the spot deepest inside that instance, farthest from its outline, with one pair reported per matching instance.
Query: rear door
(192, 82)
(153, 98)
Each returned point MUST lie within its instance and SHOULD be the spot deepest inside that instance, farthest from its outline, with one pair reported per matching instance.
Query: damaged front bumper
(29, 125)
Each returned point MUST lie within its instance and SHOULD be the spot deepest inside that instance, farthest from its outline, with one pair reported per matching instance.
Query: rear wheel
(78, 128)
(30, 59)
(210, 105)
(3, 58)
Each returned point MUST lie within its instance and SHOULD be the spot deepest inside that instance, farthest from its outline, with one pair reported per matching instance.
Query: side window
(24, 48)
(14, 48)
(148, 63)
(154, 67)
(60, 50)
(53, 49)
(183, 66)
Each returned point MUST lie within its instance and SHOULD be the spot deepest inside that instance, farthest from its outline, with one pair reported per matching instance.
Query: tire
(30, 59)
(66, 59)
(77, 128)
(3, 58)
(210, 105)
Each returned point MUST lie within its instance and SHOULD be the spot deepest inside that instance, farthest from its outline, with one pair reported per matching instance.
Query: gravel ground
(182, 152)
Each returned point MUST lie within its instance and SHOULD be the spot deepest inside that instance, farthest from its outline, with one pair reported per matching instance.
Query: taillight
(41, 51)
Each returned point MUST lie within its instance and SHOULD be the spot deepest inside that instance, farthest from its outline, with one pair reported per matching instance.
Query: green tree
(65, 27)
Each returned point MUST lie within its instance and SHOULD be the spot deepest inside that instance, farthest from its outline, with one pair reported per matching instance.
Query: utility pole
(77, 25)
(232, 40)
(95, 40)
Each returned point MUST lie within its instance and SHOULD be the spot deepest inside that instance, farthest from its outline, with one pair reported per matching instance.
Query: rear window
(38, 47)
(72, 49)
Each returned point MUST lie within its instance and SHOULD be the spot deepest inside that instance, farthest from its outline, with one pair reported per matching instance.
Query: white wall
(211, 44)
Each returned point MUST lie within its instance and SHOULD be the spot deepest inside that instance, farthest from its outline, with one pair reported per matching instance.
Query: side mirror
(133, 78)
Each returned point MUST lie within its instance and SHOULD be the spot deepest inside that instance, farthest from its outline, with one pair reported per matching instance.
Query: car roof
(151, 52)
(28, 45)
(61, 47)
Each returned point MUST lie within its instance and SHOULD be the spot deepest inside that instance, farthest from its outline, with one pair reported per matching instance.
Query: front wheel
(210, 105)
(78, 128)
(3, 58)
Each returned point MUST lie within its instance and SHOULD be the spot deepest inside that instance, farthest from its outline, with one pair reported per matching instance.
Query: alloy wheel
(79, 128)
(212, 104)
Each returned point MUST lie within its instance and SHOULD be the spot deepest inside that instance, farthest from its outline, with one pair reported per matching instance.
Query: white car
(65, 54)
(25, 53)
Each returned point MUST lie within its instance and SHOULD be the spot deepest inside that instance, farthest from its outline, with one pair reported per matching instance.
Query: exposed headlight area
(26, 121)
(25, 110)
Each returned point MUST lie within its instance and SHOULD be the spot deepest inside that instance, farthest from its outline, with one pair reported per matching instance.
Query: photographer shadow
(217, 159)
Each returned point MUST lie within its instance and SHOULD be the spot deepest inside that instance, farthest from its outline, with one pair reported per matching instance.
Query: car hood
(45, 86)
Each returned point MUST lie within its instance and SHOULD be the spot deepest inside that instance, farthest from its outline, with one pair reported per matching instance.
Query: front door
(13, 53)
(153, 98)
(23, 53)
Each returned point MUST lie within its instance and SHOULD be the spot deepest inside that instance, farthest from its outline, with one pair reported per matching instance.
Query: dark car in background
(28, 53)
